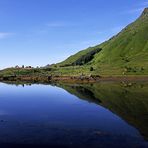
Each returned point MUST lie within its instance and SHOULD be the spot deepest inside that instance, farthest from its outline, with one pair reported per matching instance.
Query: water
(70, 115)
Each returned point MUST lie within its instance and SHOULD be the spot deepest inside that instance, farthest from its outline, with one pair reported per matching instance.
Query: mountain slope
(125, 53)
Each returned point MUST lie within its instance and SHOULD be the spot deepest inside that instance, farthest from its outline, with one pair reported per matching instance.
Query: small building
(28, 67)
(17, 67)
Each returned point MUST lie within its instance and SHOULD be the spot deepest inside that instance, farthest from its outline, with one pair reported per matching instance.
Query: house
(17, 67)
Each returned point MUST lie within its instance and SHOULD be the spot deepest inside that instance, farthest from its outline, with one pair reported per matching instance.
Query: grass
(125, 54)
(129, 48)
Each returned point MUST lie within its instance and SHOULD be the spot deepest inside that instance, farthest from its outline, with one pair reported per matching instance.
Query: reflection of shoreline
(128, 102)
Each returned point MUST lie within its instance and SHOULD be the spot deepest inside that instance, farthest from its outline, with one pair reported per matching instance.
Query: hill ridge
(124, 53)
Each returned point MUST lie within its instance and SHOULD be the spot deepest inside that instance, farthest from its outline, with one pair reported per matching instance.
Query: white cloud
(144, 4)
(5, 35)
(59, 24)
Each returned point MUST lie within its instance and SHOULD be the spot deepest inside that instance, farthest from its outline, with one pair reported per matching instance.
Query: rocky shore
(73, 78)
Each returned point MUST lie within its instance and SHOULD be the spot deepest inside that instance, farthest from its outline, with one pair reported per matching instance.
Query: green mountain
(124, 54)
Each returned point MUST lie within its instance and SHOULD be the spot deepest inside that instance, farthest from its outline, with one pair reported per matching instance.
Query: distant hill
(124, 54)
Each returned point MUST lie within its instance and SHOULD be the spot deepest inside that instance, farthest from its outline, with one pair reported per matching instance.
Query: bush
(86, 58)
(91, 68)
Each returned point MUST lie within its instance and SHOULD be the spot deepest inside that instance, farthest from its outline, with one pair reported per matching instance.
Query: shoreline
(75, 79)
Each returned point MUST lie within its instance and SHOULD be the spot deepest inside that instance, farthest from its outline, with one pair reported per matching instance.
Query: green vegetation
(33, 74)
(81, 58)
(125, 54)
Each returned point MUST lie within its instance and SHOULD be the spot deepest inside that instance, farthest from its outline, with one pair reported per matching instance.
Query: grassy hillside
(72, 60)
(124, 54)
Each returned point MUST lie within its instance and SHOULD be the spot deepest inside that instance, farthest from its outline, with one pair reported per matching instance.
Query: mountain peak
(145, 12)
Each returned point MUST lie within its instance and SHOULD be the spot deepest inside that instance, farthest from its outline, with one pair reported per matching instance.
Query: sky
(41, 32)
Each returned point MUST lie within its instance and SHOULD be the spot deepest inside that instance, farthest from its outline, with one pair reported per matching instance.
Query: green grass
(124, 54)
(129, 49)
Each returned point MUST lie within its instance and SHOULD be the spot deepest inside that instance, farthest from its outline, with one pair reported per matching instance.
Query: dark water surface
(74, 115)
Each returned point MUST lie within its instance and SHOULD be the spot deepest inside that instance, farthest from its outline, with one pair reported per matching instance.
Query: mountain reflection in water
(73, 115)
(128, 102)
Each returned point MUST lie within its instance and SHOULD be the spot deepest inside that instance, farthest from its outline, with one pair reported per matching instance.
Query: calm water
(69, 115)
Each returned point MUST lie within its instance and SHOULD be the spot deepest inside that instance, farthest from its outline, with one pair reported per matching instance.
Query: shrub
(86, 58)
(91, 68)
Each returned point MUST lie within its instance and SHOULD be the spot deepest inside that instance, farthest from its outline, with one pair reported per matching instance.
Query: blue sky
(40, 32)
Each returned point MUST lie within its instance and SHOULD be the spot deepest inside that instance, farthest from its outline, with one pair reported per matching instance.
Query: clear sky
(40, 32)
